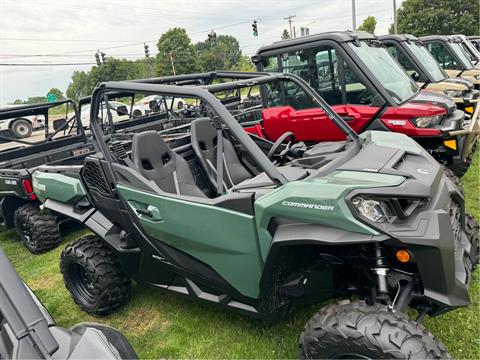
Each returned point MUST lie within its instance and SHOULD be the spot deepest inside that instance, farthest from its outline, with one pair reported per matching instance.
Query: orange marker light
(403, 256)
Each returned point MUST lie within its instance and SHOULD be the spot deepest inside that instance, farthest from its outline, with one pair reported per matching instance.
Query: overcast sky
(73, 30)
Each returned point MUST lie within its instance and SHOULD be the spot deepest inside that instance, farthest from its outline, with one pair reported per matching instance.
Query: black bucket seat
(204, 144)
(157, 162)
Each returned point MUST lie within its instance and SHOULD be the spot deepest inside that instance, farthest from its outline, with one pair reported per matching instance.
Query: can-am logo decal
(308, 206)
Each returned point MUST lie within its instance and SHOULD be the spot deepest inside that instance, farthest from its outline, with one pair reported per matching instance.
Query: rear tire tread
(112, 288)
(45, 231)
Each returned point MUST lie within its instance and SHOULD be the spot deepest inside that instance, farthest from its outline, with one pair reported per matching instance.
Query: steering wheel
(280, 141)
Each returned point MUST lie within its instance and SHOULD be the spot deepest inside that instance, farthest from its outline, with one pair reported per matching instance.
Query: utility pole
(171, 61)
(395, 22)
(354, 16)
(289, 18)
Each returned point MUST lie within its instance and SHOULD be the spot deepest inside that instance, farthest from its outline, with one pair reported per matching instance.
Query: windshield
(460, 53)
(428, 61)
(387, 70)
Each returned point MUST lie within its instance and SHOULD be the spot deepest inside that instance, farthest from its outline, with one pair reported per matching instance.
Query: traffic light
(254, 28)
(102, 54)
(97, 58)
(147, 52)
(212, 38)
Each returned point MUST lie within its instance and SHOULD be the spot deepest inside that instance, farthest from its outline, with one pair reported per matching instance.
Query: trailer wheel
(21, 128)
(38, 230)
(93, 275)
(358, 331)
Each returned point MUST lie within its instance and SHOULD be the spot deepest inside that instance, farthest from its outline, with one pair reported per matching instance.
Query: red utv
(356, 75)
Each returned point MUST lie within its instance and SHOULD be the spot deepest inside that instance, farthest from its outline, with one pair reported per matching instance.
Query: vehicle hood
(394, 154)
(435, 98)
(460, 81)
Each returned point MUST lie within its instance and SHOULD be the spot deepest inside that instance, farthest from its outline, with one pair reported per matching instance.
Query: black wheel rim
(81, 283)
(27, 234)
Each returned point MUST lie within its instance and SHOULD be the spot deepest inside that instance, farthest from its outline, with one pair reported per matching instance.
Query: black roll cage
(42, 109)
(205, 93)
(244, 79)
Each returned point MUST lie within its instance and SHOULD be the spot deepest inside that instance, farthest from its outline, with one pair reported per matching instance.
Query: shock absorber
(380, 269)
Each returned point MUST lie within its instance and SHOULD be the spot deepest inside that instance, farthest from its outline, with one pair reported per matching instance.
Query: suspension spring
(380, 269)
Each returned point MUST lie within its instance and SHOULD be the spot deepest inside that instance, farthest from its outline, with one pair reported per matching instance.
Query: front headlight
(455, 93)
(373, 210)
(427, 121)
(386, 210)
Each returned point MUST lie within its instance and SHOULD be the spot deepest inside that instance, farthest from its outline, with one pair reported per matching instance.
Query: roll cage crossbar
(240, 80)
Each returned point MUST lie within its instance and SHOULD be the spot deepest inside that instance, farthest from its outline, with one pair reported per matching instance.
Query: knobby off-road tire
(93, 275)
(472, 229)
(454, 178)
(356, 330)
(38, 230)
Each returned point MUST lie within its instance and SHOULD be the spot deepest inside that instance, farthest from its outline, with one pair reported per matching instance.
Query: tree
(113, 69)
(223, 54)
(57, 92)
(79, 86)
(285, 34)
(174, 46)
(438, 17)
(244, 64)
(36, 100)
(369, 25)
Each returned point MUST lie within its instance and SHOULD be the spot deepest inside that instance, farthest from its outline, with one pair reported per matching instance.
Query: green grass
(163, 325)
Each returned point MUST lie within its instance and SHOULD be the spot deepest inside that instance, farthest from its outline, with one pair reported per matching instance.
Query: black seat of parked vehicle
(204, 144)
(158, 163)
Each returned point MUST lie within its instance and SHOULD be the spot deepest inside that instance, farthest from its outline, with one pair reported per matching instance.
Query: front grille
(94, 178)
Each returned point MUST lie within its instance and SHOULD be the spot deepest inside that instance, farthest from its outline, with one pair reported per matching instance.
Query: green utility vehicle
(227, 217)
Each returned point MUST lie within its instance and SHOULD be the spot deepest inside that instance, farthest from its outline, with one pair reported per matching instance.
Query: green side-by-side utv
(209, 211)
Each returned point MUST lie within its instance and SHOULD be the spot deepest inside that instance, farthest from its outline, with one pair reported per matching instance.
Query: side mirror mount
(153, 105)
(57, 124)
(122, 110)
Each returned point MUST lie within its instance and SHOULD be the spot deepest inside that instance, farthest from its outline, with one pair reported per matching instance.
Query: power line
(46, 64)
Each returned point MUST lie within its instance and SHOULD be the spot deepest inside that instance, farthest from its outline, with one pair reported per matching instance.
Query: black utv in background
(27, 331)
(61, 142)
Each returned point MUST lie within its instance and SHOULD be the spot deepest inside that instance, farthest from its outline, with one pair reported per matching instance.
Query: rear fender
(94, 220)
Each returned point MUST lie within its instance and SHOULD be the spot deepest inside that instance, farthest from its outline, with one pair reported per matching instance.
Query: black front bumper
(436, 236)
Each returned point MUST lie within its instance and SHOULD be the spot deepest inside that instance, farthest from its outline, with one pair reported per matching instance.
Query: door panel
(356, 116)
(225, 240)
(311, 125)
